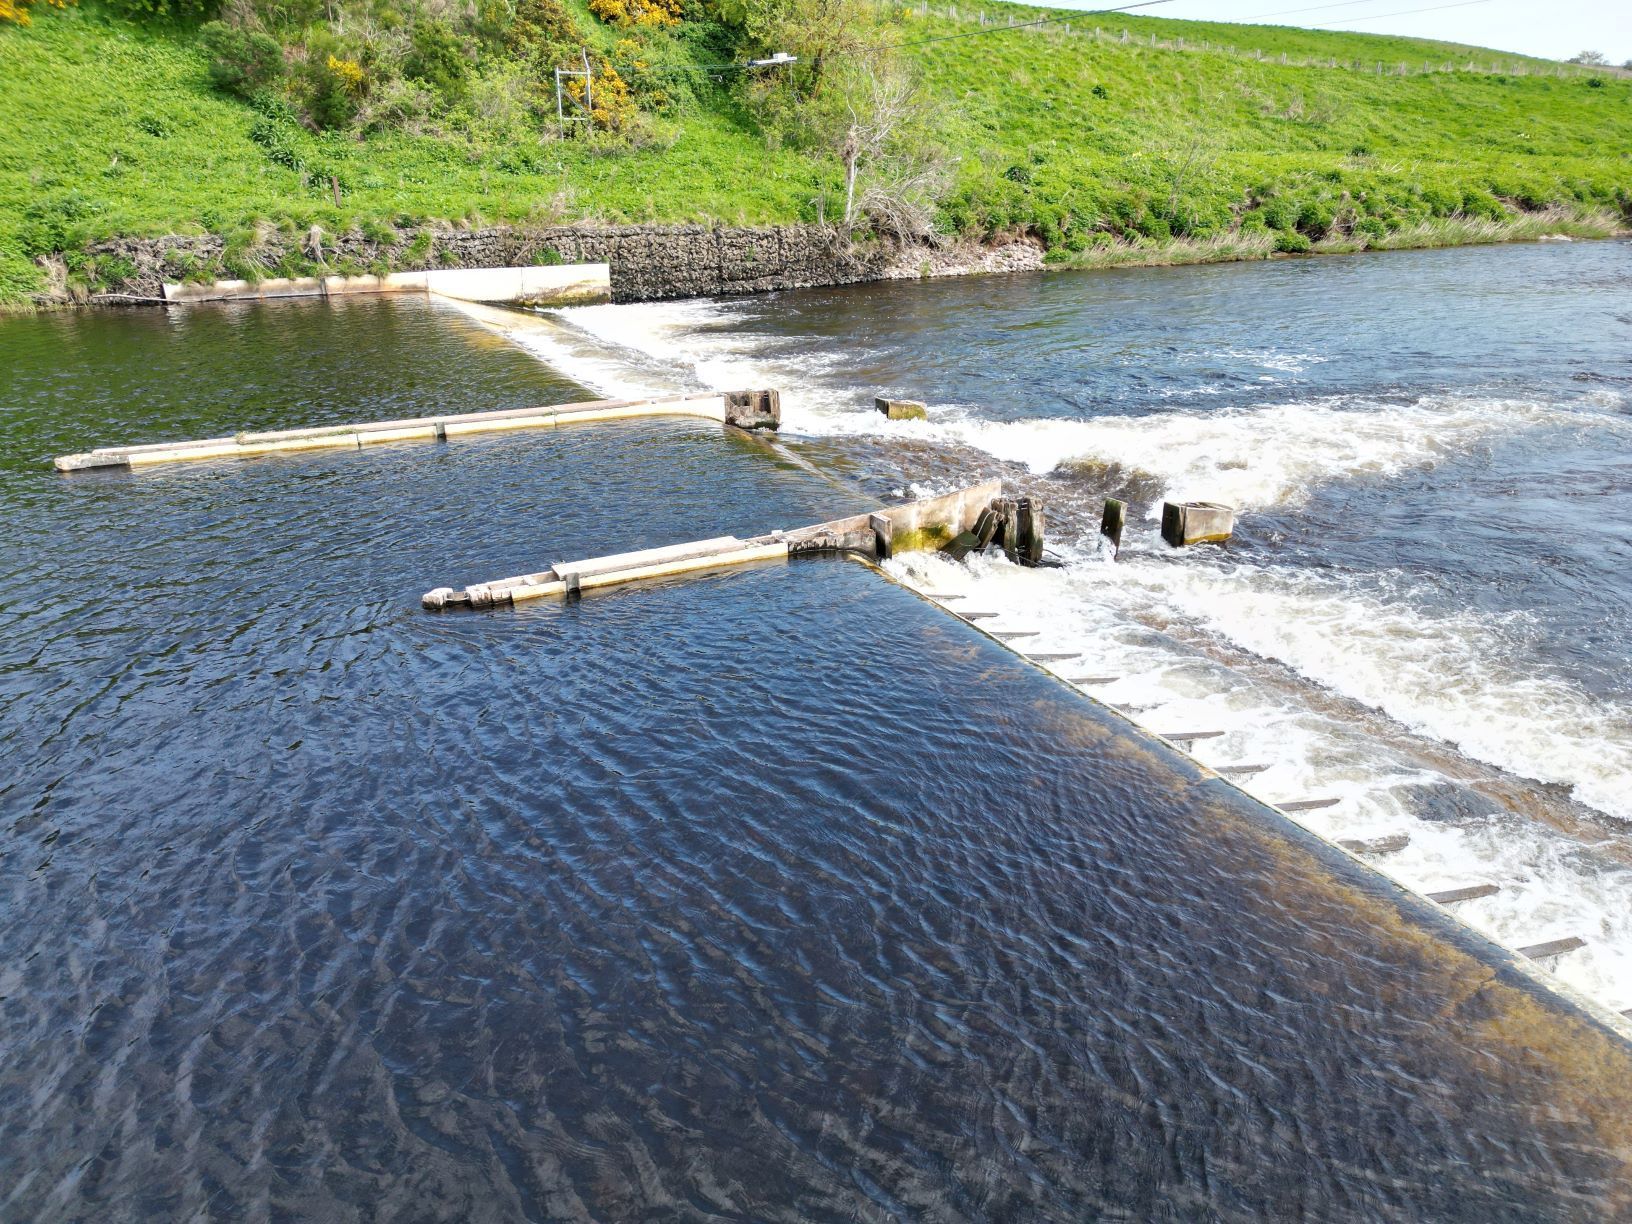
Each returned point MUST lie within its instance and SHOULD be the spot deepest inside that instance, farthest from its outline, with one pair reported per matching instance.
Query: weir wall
(646, 262)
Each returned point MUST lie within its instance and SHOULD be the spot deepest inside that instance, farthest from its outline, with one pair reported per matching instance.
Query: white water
(1462, 681)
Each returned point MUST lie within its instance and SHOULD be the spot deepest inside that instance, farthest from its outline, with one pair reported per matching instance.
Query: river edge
(664, 262)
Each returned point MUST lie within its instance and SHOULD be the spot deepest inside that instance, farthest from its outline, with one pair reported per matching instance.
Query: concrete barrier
(552, 285)
(1196, 523)
(901, 410)
(924, 524)
(746, 409)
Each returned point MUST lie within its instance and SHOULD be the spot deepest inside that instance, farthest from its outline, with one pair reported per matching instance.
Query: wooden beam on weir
(1553, 947)
(745, 409)
(921, 525)
(1470, 892)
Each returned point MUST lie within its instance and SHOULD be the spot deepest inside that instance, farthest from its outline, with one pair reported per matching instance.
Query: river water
(775, 895)
(1427, 609)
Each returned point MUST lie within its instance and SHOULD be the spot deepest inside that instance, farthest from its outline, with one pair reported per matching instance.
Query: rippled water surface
(1426, 610)
(777, 895)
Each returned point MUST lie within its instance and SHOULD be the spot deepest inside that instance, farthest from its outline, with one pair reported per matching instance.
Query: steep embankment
(1091, 142)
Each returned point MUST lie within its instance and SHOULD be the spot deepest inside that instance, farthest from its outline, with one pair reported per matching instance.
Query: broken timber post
(746, 409)
(1112, 522)
(1196, 523)
(1016, 523)
(923, 525)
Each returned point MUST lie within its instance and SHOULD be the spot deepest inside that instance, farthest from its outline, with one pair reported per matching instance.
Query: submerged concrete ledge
(585, 284)
(926, 524)
(744, 409)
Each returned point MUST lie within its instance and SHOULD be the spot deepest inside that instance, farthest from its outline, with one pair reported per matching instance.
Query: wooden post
(1112, 522)
(334, 182)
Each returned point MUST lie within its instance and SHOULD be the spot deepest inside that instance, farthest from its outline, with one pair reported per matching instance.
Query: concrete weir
(924, 525)
(1531, 961)
(545, 285)
(744, 409)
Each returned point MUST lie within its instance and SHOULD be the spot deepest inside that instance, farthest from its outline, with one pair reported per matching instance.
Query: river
(780, 894)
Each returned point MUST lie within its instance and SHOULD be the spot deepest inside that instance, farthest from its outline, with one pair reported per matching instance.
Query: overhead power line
(1405, 12)
(1314, 8)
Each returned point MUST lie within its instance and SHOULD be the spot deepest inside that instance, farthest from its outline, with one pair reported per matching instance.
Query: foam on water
(1257, 456)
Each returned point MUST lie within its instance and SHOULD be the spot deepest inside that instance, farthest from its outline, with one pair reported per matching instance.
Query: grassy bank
(1103, 147)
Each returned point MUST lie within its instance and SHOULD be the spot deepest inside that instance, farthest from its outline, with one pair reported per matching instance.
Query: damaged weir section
(954, 522)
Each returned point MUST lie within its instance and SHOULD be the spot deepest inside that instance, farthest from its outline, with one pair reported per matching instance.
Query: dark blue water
(778, 895)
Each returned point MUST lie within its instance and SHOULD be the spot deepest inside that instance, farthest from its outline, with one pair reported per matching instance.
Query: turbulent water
(1427, 608)
(781, 895)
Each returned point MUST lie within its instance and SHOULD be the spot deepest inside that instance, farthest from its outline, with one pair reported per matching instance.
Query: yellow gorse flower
(348, 71)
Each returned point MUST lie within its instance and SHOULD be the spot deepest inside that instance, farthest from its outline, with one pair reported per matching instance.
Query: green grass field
(1106, 151)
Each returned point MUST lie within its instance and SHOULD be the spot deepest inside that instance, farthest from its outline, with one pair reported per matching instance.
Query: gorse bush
(15, 12)
(241, 61)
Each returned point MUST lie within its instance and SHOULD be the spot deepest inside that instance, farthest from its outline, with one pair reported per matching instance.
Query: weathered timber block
(1471, 892)
(1553, 947)
(986, 525)
(901, 410)
(1095, 679)
(1388, 843)
(1052, 657)
(1306, 805)
(754, 409)
(962, 545)
(1238, 771)
(1196, 523)
(1019, 529)
(1189, 737)
(1112, 521)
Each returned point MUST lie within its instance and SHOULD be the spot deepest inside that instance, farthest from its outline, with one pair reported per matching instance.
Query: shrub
(241, 61)
(143, 9)
(1291, 242)
(16, 11)
(437, 58)
(335, 85)
(278, 139)
(651, 13)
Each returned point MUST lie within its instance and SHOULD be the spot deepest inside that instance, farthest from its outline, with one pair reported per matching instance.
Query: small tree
(894, 174)
(1594, 58)
(241, 61)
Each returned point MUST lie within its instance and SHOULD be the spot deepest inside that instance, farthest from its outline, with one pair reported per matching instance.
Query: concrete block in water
(901, 410)
(1196, 523)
